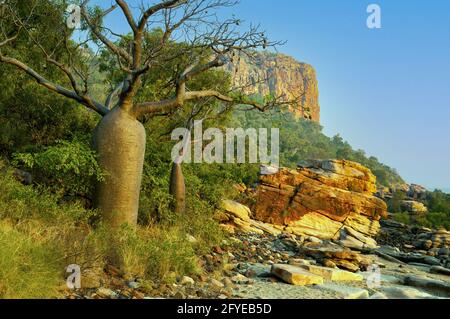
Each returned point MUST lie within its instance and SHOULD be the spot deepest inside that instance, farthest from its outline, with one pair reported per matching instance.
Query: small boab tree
(120, 137)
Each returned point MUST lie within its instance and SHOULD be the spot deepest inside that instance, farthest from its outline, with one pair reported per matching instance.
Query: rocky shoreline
(318, 232)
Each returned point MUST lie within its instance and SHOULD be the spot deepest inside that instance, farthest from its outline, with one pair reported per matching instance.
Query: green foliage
(69, 167)
(302, 140)
(402, 218)
(438, 204)
(40, 237)
(30, 116)
(438, 215)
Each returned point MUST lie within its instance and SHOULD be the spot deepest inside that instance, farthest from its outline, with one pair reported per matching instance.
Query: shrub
(67, 167)
(402, 218)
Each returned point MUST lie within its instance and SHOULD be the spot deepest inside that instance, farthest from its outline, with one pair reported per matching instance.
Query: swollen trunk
(120, 142)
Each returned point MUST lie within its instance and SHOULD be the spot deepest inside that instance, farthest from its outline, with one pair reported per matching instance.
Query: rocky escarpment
(326, 199)
(279, 75)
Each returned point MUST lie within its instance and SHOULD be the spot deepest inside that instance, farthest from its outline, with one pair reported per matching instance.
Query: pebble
(106, 293)
(187, 281)
(216, 284)
(239, 279)
(133, 284)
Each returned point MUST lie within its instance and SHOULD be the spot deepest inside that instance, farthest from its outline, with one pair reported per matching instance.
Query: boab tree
(120, 137)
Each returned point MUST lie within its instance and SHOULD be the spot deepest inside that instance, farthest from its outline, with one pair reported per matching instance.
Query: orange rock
(321, 197)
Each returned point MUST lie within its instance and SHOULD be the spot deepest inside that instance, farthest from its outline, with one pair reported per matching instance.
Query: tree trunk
(178, 189)
(120, 141)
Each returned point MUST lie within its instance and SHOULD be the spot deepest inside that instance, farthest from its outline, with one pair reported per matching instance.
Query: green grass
(40, 237)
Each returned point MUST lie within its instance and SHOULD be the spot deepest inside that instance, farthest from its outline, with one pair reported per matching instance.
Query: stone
(363, 224)
(331, 252)
(378, 295)
(444, 251)
(236, 209)
(312, 239)
(133, 284)
(413, 207)
(239, 279)
(329, 263)
(245, 226)
(342, 263)
(438, 286)
(321, 197)
(431, 261)
(316, 225)
(216, 284)
(426, 244)
(300, 262)
(345, 292)
(367, 241)
(333, 274)
(401, 292)
(106, 293)
(351, 242)
(295, 275)
(384, 279)
(221, 217)
(187, 281)
(267, 228)
(440, 270)
(259, 270)
(23, 177)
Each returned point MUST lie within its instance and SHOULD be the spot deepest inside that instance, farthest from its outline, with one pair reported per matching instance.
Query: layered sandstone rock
(414, 208)
(278, 75)
(330, 199)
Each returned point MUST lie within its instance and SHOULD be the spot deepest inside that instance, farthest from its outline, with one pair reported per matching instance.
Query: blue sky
(385, 91)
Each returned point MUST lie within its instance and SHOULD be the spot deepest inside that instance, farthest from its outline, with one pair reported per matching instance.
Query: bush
(69, 168)
(402, 218)
(40, 237)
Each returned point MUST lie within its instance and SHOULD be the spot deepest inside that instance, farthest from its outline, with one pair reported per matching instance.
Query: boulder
(345, 292)
(333, 274)
(316, 225)
(353, 239)
(295, 275)
(440, 270)
(337, 256)
(437, 286)
(413, 207)
(320, 198)
(236, 209)
(341, 174)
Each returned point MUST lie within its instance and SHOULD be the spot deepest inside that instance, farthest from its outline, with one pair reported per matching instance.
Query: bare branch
(128, 15)
(85, 100)
(97, 32)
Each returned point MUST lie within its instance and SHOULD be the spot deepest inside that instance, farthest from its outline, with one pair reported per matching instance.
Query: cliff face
(279, 74)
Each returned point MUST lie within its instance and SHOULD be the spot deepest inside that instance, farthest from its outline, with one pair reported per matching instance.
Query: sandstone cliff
(279, 74)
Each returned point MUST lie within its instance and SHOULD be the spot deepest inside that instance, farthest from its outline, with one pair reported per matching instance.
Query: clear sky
(385, 91)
